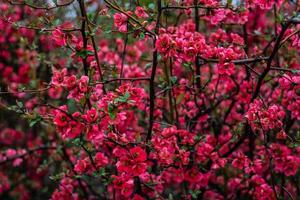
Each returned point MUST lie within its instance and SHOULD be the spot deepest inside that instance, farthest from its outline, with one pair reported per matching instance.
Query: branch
(269, 61)
(153, 72)
(197, 6)
(130, 17)
(123, 79)
(237, 62)
(26, 91)
(41, 29)
(61, 110)
(289, 36)
(123, 57)
(30, 151)
(24, 3)
(197, 58)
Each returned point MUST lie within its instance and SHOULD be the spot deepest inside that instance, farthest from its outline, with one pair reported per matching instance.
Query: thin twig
(153, 73)
(123, 79)
(30, 151)
(24, 3)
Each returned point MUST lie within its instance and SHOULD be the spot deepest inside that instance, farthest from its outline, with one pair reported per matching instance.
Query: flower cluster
(265, 118)
(192, 99)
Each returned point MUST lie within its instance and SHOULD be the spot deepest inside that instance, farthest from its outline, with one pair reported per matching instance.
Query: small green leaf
(78, 176)
(111, 111)
(77, 142)
(13, 108)
(173, 79)
(35, 120)
(20, 104)
(90, 16)
(142, 35)
(122, 99)
(84, 53)
(56, 177)
(195, 193)
(151, 6)
(148, 66)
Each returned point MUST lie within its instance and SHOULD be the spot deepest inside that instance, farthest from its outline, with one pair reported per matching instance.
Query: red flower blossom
(59, 37)
(120, 21)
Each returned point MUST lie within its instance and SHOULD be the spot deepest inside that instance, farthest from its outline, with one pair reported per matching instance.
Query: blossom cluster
(192, 99)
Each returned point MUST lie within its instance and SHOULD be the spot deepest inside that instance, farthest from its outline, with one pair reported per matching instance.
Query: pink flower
(4, 183)
(190, 54)
(83, 84)
(204, 151)
(127, 188)
(17, 162)
(81, 166)
(281, 135)
(70, 82)
(58, 76)
(193, 175)
(237, 39)
(165, 156)
(60, 118)
(95, 134)
(267, 118)
(241, 161)
(212, 195)
(101, 160)
(168, 132)
(65, 191)
(91, 115)
(267, 4)
(137, 197)
(55, 92)
(59, 37)
(219, 15)
(138, 154)
(73, 130)
(133, 162)
(120, 21)
(226, 69)
(291, 165)
(140, 12)
(163, 43)
(264, 192)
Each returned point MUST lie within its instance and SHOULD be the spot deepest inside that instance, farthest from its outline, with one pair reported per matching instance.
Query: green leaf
(195, 193)
(20, 104)
(148, 66)
(188, 65)
(280, 18)
(108, 31)
(12, 108)
(151, 6)
(173, 79)
(122, 99)
(84, 53)
(111, 111)
(56, 177)
(295, 71)
(78, 176)
(77, 142)
(90, 16)
(142, 35)
(17, 108)
(35, 120)
(102, 172)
